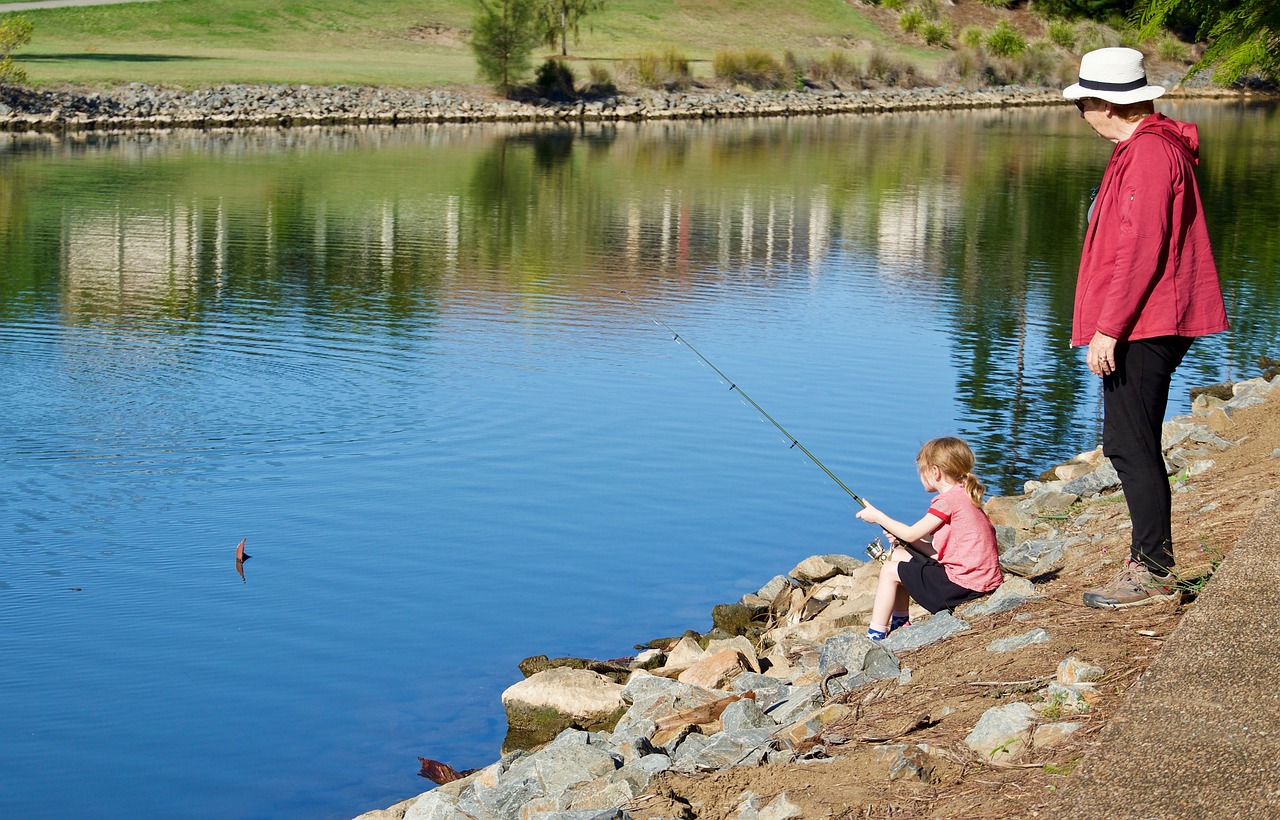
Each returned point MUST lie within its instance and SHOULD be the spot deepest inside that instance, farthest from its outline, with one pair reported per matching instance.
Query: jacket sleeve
(1145, 194)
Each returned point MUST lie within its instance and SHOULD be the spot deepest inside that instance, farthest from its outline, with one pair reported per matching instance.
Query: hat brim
(1144, 94)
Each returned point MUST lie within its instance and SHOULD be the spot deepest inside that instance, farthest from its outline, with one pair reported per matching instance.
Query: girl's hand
(869, 513)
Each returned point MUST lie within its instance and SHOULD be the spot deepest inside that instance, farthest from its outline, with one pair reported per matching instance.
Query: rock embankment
(233, 106)
(786, 674)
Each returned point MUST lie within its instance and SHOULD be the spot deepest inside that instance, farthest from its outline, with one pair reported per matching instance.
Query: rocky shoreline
(786, 677)
(140, 106)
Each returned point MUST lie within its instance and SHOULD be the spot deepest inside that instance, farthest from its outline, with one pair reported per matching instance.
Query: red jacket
(1147, 269)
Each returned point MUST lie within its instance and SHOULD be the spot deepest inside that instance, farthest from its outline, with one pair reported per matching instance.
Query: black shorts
(927, 583)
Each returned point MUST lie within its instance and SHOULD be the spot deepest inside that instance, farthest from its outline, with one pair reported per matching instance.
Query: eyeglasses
(1080, 103)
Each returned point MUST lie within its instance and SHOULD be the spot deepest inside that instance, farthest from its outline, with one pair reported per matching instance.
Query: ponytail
(975, 488)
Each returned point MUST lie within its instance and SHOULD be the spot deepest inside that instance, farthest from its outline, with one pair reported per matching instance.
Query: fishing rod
(794, 441)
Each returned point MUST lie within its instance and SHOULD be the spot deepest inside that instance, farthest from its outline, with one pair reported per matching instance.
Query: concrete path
(6, 8)
(1199, 735)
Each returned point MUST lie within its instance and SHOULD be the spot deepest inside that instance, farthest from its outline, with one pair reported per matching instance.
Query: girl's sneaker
(899, 621)
(876, 635)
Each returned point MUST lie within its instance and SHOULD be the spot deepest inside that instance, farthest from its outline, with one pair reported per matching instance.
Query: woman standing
(1147, 287)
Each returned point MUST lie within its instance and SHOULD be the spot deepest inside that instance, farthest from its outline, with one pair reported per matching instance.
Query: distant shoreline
(143, 107)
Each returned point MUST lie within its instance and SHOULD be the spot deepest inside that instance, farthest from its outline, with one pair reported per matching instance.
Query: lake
(401, 365)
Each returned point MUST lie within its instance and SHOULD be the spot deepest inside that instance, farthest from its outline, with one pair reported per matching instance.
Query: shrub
(1172, 50)
(892, 72)
(752, 67)
(1091, 36)
(838, 67)
(972, 37)
(676, 65)
(936, 33)
(554, 77)
(1129, 38)
(15, 32)
(896, 5)
(648, 69)
(930, 9)
(1062, 33)
(1038, 64)
(1003, 40)
(667, 70)
(601, 79)
(997, 4)
(911, 20)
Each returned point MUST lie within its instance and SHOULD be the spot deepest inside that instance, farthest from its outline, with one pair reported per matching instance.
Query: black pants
(1134, 398)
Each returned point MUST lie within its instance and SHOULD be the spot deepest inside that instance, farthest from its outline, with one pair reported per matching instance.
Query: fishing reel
(878, 551)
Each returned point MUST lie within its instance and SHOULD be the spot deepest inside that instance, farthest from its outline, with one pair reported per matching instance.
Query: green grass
(391, 42)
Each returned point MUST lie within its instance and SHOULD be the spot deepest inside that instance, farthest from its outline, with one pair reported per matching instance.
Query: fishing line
(795, 443)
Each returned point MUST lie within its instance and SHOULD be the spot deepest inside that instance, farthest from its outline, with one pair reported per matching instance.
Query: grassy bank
(395, 42)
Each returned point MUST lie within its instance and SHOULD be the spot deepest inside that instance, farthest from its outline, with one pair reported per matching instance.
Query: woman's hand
(1101, 357)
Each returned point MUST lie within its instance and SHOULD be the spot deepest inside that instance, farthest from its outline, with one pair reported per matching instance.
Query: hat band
(1098, 85)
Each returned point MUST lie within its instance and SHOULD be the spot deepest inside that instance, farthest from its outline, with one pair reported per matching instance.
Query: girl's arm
(911, 534)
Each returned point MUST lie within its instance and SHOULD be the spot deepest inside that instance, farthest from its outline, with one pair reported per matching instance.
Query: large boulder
(851, 659)
(821, 567)
(543, 705)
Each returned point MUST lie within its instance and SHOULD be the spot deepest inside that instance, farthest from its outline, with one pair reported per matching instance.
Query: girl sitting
(954, 545)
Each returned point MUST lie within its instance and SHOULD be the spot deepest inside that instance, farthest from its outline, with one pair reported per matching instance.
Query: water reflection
(978, 212)
(397, 358)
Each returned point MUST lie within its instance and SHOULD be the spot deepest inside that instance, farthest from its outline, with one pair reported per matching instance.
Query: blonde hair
(954, 458)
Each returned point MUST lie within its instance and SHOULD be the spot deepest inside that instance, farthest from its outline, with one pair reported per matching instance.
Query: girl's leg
(887, 594)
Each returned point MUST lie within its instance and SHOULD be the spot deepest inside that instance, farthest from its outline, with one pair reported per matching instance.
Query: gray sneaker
(1134, 585)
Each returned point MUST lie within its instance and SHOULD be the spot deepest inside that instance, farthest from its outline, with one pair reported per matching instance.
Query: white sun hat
(1116, 75)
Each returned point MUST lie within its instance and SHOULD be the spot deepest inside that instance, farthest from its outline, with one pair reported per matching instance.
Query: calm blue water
(399, 364)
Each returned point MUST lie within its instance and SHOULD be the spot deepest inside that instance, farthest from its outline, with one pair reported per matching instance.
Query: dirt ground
(1208, 516)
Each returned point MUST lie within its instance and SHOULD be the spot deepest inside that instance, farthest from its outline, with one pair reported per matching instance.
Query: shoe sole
(1098, 602)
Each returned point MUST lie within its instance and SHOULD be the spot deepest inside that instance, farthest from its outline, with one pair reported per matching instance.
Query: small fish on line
(241, 555)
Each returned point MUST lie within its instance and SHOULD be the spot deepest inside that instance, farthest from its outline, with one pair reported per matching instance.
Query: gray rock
(862, 659)
(1027, 556)
(1101, 480)
(436, 805)
(687, 747)
(1013, 593)
(745, 714)
(779, 808)
(821, 567)
(1051, 502)
(723, 750)
(913, 762)
(1001, 730)
(633, 749)
(768, 690)
(1072, 670)
(800, 701)
(770, 590)
(573, 757)
(1006, 538)
(641, 773)
(602, 796)
(939, 625)
(1019, 641)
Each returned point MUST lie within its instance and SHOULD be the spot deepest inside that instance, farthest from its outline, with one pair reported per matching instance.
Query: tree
(560, 18)
(1242, 37)
(15, 32)
(503, 36)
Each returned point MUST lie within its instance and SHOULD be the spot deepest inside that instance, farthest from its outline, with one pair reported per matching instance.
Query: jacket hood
(1182, 135)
